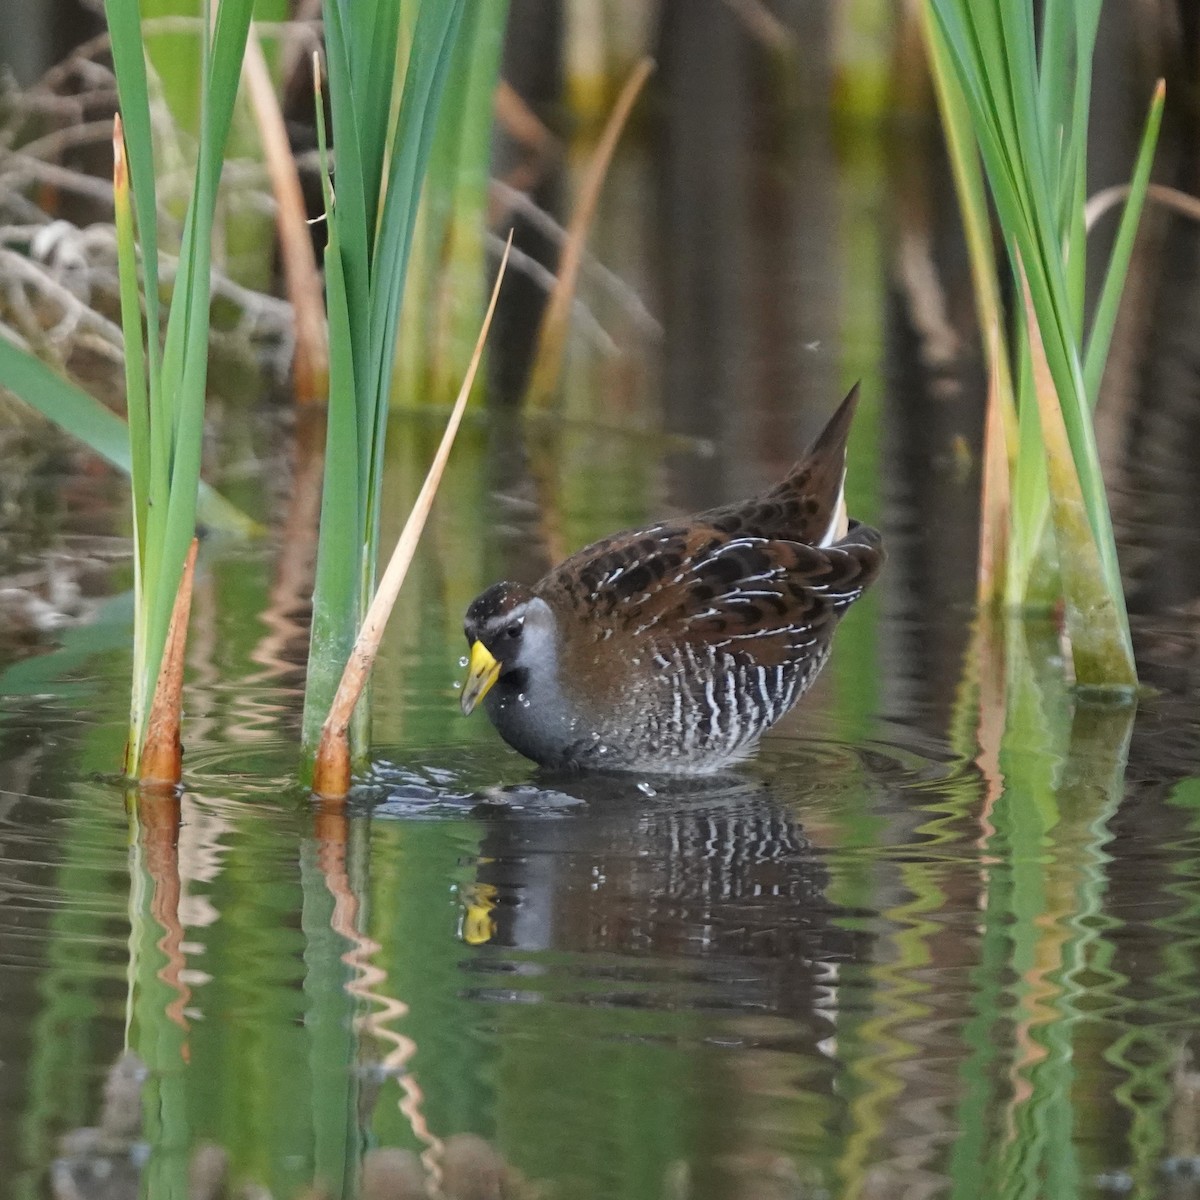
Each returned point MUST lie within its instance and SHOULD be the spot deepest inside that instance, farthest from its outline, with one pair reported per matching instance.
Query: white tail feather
(839, 522)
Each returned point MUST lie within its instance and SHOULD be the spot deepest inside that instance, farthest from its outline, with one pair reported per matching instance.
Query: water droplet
(602, 749)
(646, 789)
(462, 662)
(458, 685)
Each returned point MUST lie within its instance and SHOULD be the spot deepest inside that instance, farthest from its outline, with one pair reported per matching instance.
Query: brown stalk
(516, 119)
(552, 337)
(1168, 197)
(161, 760)
(764, 25)
(995, 500)
(310, 370)
(520, 122)
(331, 768)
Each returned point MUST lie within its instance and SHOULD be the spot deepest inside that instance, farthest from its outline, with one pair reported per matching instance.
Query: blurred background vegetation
(949, 936)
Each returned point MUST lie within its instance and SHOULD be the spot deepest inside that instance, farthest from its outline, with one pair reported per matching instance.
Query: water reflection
(717, 871)
(668, 947)
(104, 1161)
(108, 1161)
(863, 971)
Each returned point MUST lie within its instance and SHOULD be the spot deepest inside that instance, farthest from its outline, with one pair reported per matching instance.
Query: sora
(673, 649)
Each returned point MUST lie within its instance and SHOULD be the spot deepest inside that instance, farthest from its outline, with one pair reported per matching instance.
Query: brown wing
(766, 599)
(615, 573)
(630, 567)
(761, 601)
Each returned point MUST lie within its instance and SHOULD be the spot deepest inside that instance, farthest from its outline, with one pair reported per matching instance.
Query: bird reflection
(717, 870)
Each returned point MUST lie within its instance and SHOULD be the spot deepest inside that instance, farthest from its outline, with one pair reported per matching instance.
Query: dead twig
(552, 337)
(1168, 197)
(161, 761)
(310, 373)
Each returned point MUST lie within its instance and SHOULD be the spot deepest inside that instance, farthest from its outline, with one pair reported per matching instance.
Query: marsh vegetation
(939, 938)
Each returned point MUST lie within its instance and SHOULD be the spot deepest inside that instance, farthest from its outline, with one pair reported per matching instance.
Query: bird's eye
(514, 630)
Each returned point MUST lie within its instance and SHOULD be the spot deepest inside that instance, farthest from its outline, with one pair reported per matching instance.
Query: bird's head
(511, 633)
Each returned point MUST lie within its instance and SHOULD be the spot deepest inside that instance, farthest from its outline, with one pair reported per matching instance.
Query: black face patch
(494, 605)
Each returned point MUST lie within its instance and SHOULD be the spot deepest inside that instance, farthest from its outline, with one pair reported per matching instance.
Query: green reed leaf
(1105, 317)
(167, 445)
(380, 172)
(339, 548)
(136, 394)
(1030, 117)
(129, 65)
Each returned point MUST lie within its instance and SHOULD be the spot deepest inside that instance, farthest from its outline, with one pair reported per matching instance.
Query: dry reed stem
(1168, 197)
(995, 502)
(520, 122)
(310, 369)
(161, 761)
(553, 334)
(765, 26)
(541, 149)
(331, 768)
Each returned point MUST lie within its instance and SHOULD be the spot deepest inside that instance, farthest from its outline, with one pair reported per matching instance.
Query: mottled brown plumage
(673, 648)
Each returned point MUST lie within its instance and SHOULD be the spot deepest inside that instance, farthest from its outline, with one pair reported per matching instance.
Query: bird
(670, 650)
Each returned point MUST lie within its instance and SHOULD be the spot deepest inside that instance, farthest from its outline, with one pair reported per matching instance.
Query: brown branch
(310, 371)
(552, 337)
(1168, 197)
(161, 759)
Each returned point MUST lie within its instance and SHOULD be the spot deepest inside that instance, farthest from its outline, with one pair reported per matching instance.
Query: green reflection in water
(157, 1025)
(303, 989)
(81, 1000)
(427, 1036)
(1044, 960)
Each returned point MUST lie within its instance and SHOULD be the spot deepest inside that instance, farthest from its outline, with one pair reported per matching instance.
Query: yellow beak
(482, 672)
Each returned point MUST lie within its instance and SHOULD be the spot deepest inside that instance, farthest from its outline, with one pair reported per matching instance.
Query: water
(860, 965)
(941, 938)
